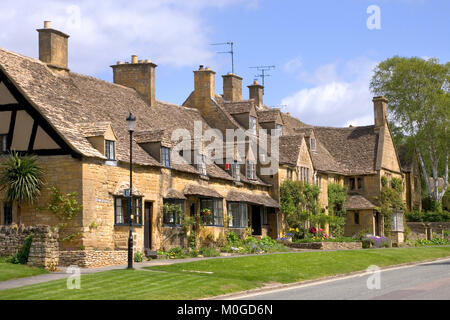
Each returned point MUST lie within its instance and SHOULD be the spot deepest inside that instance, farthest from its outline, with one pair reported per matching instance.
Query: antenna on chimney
(262, 72)
(231, 52)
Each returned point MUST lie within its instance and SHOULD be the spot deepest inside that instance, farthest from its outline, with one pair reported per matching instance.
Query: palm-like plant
(22, 179)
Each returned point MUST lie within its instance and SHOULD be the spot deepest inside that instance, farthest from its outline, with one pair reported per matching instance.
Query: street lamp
(131, 123)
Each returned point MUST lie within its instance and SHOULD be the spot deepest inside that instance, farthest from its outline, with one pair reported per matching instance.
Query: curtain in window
(238, 213)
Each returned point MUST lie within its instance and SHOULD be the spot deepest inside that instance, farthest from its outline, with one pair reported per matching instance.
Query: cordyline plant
(22, 179)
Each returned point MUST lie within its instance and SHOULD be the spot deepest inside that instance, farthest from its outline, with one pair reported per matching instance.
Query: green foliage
(65, 207)
(21, 177)
(436, 241)
(209, 252)
(299, 201)
(418, 91)
(22, 256)
(391, 201)
(138, 256)
(336, 239)
(429, 216)
(337, 195)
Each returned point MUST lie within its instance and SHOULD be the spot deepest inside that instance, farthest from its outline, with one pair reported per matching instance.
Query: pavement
(422, 281)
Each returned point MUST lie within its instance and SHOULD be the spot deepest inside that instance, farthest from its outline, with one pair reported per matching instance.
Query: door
(377, 224)
(256, 220)
(148, 225)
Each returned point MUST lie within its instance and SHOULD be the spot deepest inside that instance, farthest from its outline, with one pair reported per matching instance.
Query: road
(428, 281)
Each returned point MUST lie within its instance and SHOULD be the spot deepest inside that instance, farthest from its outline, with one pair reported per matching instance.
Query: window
(165, 157)
(289, 174)
(304, 174)
(110, 151)
(172, 217)
(360, 183)
(351, 183)
(201, 164)
(238, 215)
(253, 125)
(356, 217)
(3, 143)
(236, 171)
(318, 180)
(397, 221)
(265, 219)
(215, 206)
(7, 214)
(279, 128)
(313, 144)
(251, 170)
(121, 205)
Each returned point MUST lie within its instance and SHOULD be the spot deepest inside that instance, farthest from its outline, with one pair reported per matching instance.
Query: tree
(22, 179)
(419, 100)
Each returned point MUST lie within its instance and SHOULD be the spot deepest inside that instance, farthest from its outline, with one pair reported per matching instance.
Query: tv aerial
(262, 72)
(231, 52)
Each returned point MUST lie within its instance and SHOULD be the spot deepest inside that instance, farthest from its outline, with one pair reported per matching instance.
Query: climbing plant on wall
(391, 201)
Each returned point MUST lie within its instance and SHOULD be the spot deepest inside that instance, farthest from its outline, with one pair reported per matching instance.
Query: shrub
(138, 256)
(22, 256)
(176, 253)
(376, 242)
(429, 216)
(209, 252)
(436, 241)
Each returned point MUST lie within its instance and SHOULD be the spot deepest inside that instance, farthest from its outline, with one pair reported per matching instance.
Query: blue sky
(323, 51)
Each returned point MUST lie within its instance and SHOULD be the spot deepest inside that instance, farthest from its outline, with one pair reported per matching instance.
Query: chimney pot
(147, 61)
(134, 59)
(47, 24)
(200, 67)
(119, 62)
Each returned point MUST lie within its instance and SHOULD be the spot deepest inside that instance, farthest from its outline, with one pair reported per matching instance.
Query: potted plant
(206, 212)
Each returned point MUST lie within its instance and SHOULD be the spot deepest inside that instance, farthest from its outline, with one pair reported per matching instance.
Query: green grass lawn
(9, 271)
(182, 281)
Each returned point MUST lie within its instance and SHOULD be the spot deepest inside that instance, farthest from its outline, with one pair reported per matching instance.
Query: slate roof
(358, 202)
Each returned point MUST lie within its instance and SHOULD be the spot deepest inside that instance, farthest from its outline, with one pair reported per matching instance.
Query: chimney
(232, 87)
(204, 88)
(53, 48)
(139, 75)
(380, 110)
(256, 93)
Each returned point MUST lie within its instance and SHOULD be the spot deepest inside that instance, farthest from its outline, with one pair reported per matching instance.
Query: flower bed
(326, 245)
(375, 242)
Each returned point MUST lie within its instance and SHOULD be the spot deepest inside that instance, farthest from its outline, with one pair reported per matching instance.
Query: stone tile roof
(243, 106)
(253, 198)
(273, 115)
(174, 194)
(358, 202)
(290, 148)
(406, 160)
(203, 191)
(93, 129)
(68, 103)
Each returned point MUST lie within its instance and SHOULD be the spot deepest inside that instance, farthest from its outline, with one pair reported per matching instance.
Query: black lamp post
(131, 123)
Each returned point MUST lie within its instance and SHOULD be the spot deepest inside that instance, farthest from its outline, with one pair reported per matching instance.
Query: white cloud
(339, 95)
(171, 32)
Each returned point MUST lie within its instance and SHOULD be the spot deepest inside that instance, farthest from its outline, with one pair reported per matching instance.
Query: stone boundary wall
(92, 258)
(325, 245)
(419, 230)
(44, 247)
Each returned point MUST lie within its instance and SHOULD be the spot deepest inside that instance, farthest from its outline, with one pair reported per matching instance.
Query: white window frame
(252, 124)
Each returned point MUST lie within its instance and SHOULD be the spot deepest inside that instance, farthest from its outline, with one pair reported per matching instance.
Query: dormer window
(236, 171)
(3, 142)
(165, 156)
(110, 150)
(251, 170)
(201, 164)
(252, 125)
(313, 144)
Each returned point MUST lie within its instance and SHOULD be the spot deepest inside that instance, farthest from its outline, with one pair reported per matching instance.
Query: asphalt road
(429, 281)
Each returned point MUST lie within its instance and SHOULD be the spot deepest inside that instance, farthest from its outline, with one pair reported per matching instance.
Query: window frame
(279, 127)
(177, 220)
(251, 170)
(165, 157)
(360, 182)
(108, 145)
(242, 215)
(313, 144)
(352, 183)
(201, 164)
(217, 217)
(236, 171)
(137, 211)
(289, 173)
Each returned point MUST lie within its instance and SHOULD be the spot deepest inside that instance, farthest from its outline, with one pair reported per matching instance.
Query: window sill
(127, 225)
